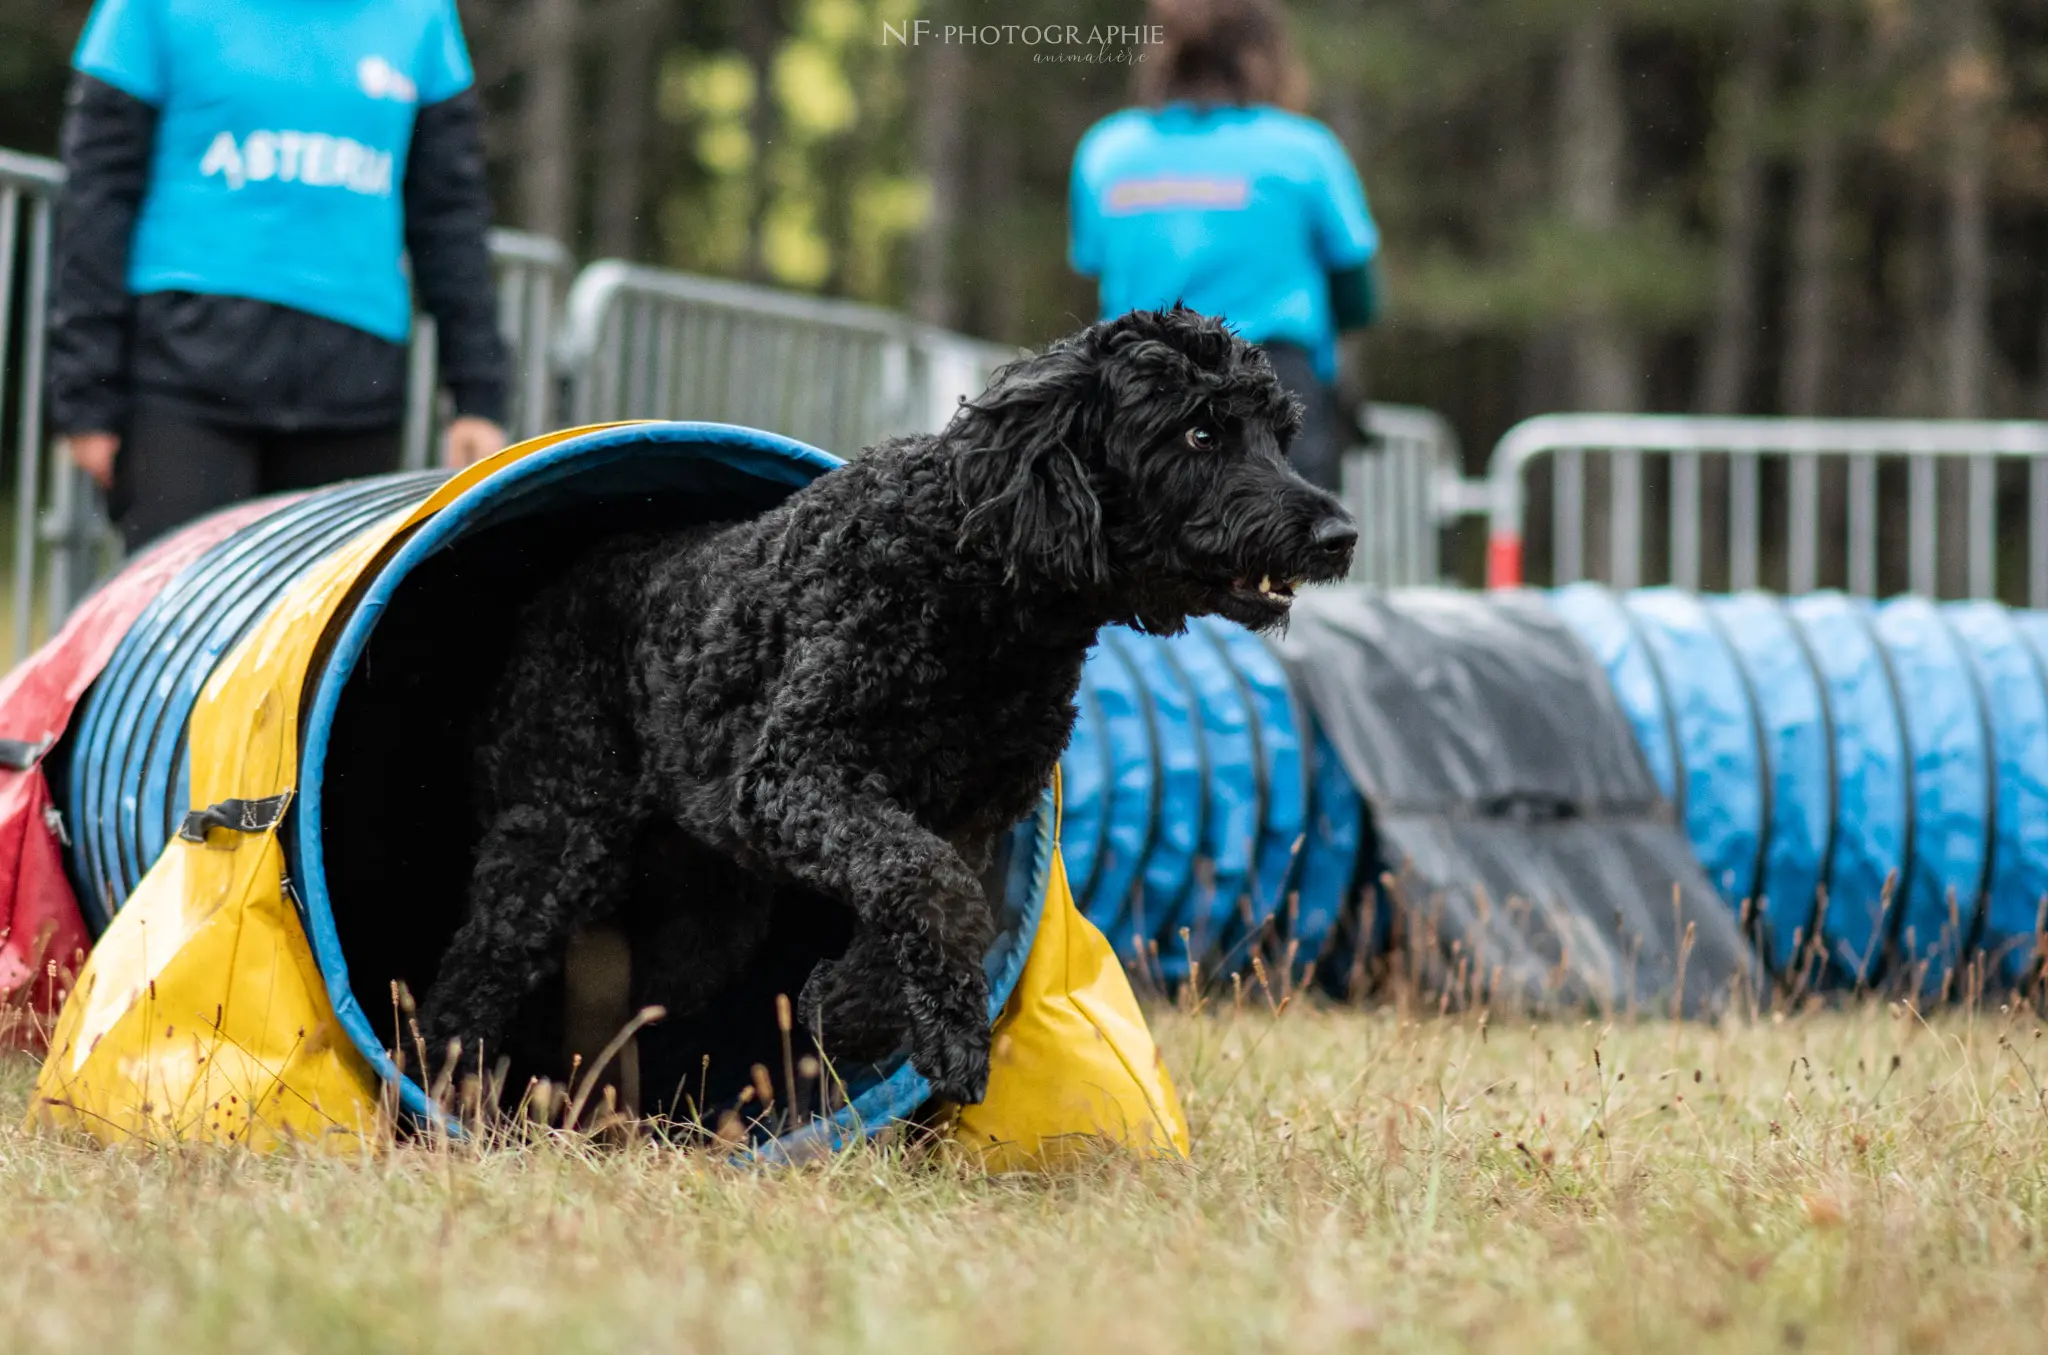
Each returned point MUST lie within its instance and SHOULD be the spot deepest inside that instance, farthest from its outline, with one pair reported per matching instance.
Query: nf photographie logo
(1050, 42)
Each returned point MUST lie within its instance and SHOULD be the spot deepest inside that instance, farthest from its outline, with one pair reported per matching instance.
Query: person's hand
(469, 440)
(93, 453)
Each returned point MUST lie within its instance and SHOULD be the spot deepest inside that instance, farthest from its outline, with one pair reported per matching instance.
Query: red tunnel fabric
(42, 934)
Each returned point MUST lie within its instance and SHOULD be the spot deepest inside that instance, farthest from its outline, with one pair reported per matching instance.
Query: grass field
(1836, 1182)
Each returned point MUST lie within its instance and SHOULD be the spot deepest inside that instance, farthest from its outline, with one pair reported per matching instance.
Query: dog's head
(1143, 463)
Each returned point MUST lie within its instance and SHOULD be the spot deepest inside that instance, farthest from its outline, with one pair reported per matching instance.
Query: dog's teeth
(1265, 583)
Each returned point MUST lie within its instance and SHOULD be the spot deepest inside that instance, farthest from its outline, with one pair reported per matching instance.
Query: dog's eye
(1201, 439)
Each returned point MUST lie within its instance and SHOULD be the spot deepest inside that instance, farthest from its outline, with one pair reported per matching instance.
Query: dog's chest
(978, 752)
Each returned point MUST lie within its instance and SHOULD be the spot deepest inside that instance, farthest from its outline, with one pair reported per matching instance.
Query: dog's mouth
(1259, 601)
(1267, 588)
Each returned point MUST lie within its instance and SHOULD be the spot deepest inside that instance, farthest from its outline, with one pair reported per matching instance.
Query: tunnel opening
(384, 838)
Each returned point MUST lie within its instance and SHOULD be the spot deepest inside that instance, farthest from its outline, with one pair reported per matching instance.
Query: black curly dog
(853, 694)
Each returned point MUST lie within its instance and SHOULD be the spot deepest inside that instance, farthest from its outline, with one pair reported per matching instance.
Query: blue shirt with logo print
(282, 133)
(1242, 212)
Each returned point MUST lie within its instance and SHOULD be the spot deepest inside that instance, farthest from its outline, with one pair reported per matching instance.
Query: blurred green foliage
(794, 142)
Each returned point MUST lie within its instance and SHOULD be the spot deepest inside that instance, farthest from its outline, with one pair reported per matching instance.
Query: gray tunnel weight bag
(1537, 862)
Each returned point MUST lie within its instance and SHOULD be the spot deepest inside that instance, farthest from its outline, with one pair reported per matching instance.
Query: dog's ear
(1024, 448)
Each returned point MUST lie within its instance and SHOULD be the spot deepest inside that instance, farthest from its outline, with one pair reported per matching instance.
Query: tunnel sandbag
(1072, 1065)
(1537, 863)
(226, 998)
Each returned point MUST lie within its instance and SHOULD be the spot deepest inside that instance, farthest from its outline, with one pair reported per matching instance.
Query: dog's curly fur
(851, 695)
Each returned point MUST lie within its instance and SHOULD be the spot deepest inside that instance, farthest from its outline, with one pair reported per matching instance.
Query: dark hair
(1221, 52)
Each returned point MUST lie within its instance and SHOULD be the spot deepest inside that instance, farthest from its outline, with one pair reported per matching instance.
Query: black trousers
(1318, 451)
(174, 467)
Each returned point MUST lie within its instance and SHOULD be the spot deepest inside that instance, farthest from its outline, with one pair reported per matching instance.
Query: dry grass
(1838, 1182)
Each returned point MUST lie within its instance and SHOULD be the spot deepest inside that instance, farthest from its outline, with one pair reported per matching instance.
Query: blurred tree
(1809, 320)
(549, 127)
(1737, 159)
(1592, 149)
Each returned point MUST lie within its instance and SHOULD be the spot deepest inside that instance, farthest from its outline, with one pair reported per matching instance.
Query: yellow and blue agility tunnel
(266, 788)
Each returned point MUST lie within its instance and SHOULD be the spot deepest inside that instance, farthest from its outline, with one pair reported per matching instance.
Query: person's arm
(447, 213)
(106, 143)
(1355, 296)
(1084, 246)
(1347, 238)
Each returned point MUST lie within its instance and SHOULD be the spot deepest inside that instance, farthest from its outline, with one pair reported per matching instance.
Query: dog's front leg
(542, 871)
(919, 905)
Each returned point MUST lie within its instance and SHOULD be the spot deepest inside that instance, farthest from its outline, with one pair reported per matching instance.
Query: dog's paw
(957, 1067)
(950, 1040)
(858, 1017)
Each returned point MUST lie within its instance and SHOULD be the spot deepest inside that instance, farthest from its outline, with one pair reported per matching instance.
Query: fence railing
(1395, 487)
(71, 539)
(642, 342)
(1824, 499)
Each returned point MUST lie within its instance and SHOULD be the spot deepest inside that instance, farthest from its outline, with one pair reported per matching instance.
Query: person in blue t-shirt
(255, 190)
(1216, 196)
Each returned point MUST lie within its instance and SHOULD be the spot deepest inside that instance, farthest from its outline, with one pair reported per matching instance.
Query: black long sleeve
(107, 139)
(1355, 296)
(447, 212)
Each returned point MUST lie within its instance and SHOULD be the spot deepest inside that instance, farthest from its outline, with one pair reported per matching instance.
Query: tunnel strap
(18, 755)
(237, 816)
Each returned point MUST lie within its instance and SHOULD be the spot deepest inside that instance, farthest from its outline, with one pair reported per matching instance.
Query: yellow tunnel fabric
(200, 1014)
(1074, 1068)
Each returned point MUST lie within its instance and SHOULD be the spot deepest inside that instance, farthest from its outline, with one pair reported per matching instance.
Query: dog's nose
(1335, 535)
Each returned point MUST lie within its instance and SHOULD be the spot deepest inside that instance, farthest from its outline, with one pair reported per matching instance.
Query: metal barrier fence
(1850, 452)
(642, 342)
(72, 535)
(1401, 489)
(533, 272)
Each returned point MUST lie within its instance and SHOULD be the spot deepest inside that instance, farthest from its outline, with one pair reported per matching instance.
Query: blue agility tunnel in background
(1862, 787)
(1867, 781)
(1199, 804)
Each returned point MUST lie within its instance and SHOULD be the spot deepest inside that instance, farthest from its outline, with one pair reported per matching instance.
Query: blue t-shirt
(281, 141)
(1239, 212)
